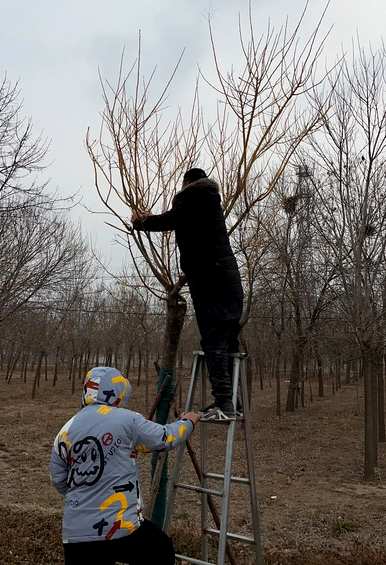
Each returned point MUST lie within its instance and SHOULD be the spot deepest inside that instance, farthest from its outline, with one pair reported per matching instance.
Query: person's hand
(139, 215)
(192, 416)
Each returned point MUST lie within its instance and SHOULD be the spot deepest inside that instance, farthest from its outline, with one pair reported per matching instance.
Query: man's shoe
(215, 414)
(221, 412)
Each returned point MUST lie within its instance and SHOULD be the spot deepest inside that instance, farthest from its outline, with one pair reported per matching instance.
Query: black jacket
(206, 256)
(198, 220)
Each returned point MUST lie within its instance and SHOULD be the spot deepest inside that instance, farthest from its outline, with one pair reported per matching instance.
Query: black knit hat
(193, 175)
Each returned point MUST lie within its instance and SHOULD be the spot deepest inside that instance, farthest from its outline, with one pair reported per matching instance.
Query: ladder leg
(203, 461)
(228, 469)
(251, 468)
(197, 363)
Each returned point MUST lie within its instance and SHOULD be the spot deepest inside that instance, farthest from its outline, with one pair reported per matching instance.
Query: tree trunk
(55, 377)
(338, 369)
(37, 374)
(86, 364)
(45, 367)
(311, 391)
(259, 373)
(73, 372)
(244, 345)
(302, 393)
(147, 378)
(249, 380)
(278, 385)
(139, 367)
(295, 374)
(71, 368)
(347, 379)
(175, 316)
(320, 376)
(128, 363)
(370, 386)
(10, 362)
(271, 372)
(25, 371)
(33, 362)
(332, 379)
(23, 362)
(381, 407)
(13, 367)
(80, 367)
(108, 358)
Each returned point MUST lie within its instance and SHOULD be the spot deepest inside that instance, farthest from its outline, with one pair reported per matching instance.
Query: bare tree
(350, 154)
(21, 153)
(139, 159)
(266, 113)
(39, 254)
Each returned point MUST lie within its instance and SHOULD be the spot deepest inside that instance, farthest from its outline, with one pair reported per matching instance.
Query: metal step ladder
(207, 494)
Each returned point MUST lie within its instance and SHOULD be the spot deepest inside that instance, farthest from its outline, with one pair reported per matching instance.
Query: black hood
(205, 183)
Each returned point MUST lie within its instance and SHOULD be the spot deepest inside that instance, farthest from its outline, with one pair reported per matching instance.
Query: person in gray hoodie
(94, 465)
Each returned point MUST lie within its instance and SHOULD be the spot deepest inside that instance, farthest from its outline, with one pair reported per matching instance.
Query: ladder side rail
(228, 469)
(197, 362)
(203, 464)
(251, 468)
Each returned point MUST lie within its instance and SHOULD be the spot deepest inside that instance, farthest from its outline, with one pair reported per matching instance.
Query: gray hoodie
(94, 459)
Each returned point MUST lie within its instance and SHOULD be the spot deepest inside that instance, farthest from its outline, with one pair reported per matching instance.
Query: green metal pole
(167, 384)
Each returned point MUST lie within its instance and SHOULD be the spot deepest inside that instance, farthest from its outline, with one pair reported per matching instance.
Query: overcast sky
(54, 50)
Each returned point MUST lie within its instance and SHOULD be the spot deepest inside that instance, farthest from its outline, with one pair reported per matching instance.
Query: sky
(55, 49)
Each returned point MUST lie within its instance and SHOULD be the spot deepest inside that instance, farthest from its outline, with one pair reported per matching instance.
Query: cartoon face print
(87, 462)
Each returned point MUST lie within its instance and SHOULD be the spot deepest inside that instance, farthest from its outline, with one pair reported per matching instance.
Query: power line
(101, 311)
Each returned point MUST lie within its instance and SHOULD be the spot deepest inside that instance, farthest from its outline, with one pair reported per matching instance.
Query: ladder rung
(199, 489)
(245, 539)
(239, 355)
(238, 420)
(192, 560)
(234, 479)
(234, 355)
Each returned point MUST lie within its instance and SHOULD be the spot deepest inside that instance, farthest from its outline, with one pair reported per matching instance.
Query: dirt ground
(315, 508)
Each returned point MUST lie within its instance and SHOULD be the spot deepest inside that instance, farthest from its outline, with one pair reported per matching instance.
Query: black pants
(219, 341)
(218, 301)
(146, 546)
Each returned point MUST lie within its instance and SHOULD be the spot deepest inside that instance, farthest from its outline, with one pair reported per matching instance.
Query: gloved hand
(138, 215)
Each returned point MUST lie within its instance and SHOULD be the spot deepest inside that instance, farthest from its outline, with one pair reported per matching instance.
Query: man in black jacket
(213, 277)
